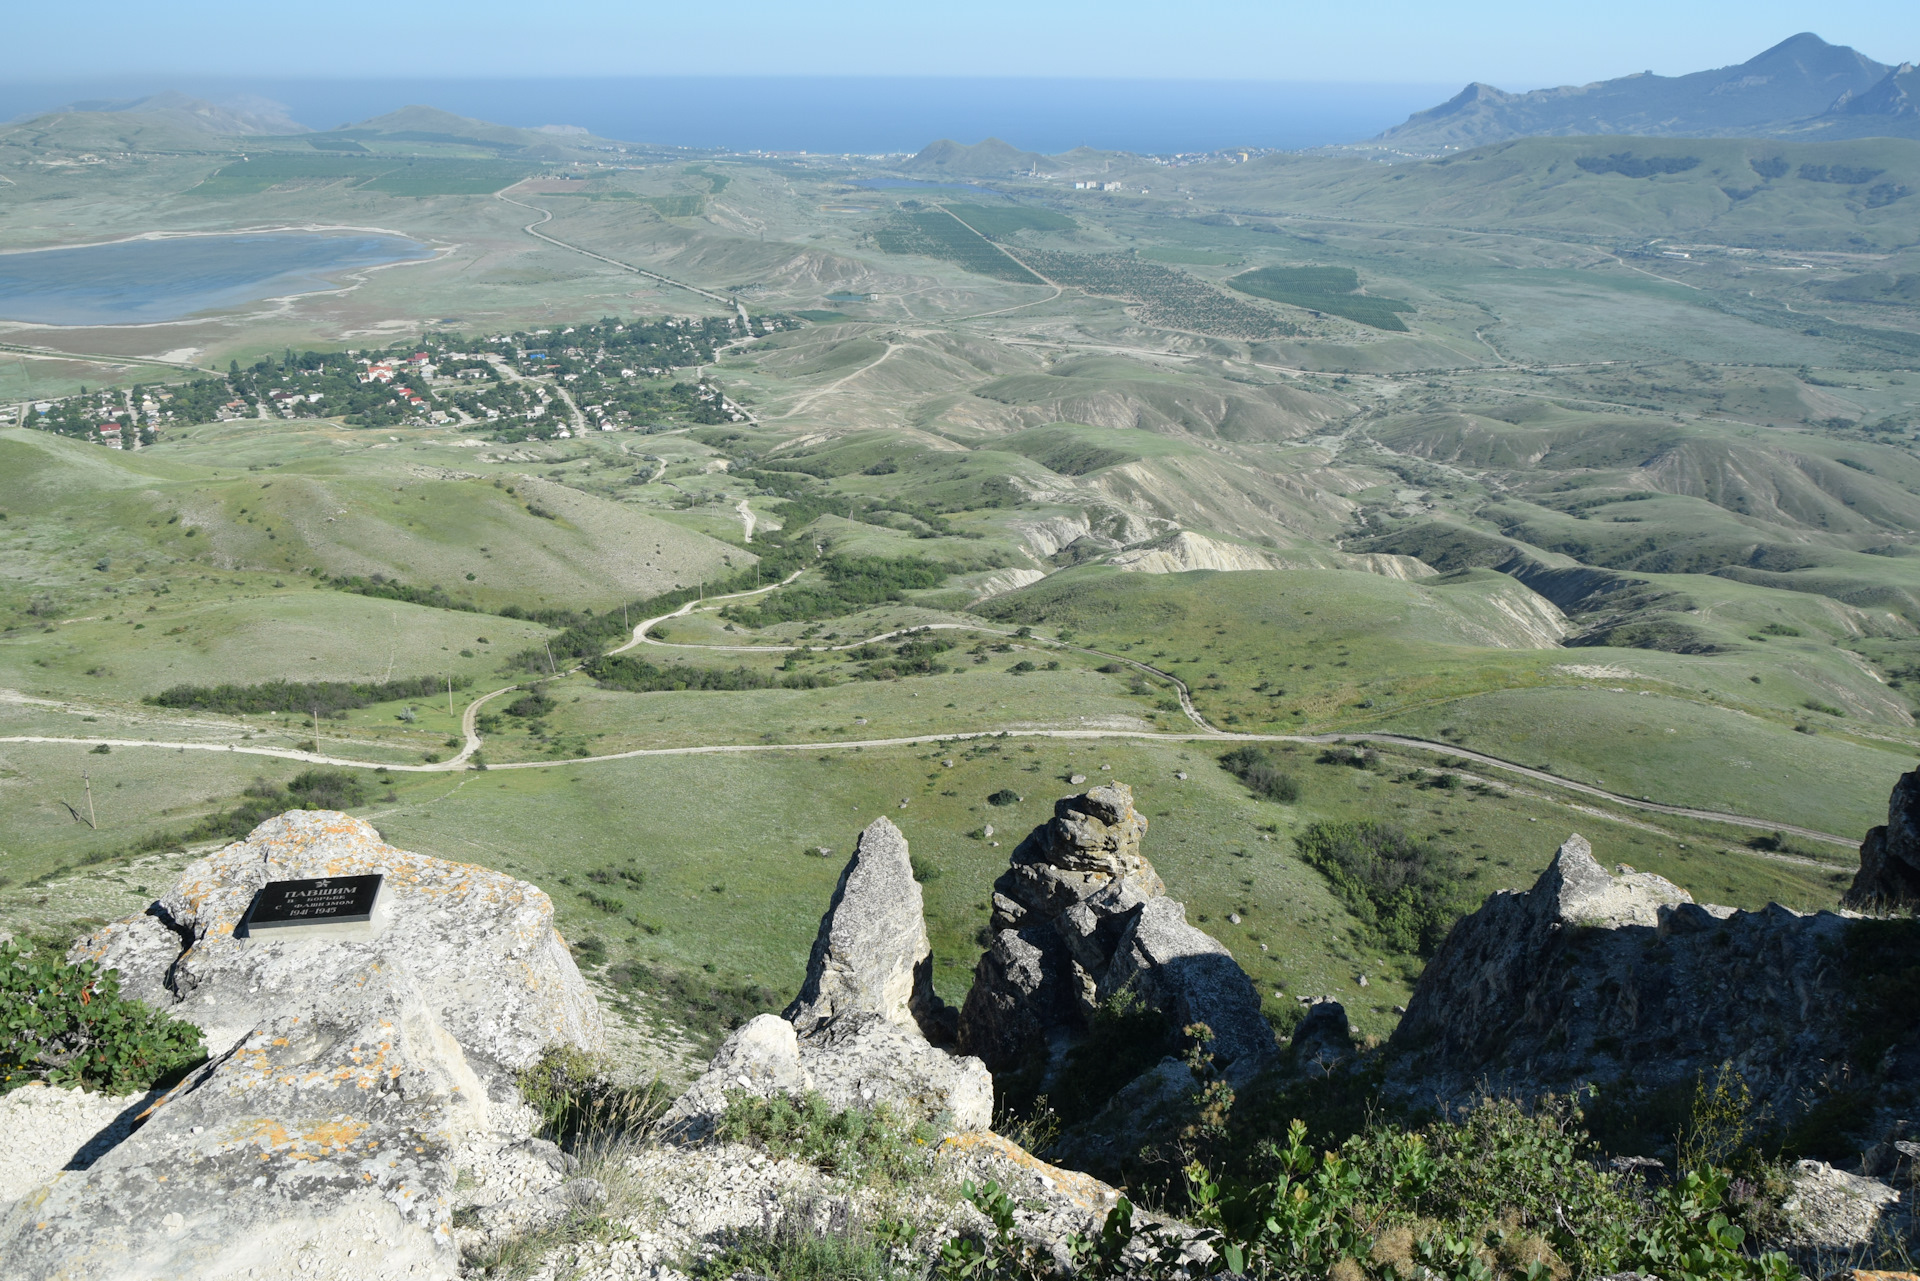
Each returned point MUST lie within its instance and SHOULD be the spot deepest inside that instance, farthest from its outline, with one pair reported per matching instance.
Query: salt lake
(133, 282)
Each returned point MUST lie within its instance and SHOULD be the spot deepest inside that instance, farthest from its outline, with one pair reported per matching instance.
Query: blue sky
(1513, 45)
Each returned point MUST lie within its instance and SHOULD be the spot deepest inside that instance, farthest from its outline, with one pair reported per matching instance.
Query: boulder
(346, 1077)
(1324, 1037)
(858, 1032)
(1889, 874)
(1622, 980)
(480, 945)
(1078, 916)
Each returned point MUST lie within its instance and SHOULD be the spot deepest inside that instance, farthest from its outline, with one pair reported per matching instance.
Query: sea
(876, 114)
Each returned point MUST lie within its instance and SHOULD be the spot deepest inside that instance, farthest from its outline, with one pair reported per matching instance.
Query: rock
(1829, 1209)
(1889, 872)
(1080, 915)
(1186, 973)
(858, 1032)
(1625, 982)
(1076, 779)
(871, 955)
(346, 1079)
(480, 944)
(858, 1062)
(1324, 1037)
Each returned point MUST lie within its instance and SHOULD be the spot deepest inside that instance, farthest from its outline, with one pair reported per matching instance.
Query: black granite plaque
(325, 900)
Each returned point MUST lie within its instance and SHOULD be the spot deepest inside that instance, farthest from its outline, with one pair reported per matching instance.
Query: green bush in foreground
(1499, 1195)
(69, 1025)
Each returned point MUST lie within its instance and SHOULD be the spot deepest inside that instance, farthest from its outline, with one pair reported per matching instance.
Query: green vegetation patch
(1329, 289)
(1404, 891)
(1002, 220)
(935, 233)
(847, 584)
(397, 176)
(68, 1025)
(855, 1143)
(638, 676)
(321, 698)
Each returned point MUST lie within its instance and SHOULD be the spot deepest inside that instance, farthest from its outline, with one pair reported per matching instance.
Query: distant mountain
(1803, 87)
(251, 116)
(1893, 98)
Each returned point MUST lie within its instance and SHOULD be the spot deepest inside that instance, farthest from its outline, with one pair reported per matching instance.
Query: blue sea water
(864, 114)
(134, 282)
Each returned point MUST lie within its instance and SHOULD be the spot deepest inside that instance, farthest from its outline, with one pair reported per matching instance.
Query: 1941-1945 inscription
(325, 900)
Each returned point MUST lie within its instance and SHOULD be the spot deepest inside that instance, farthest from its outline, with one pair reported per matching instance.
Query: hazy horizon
(830, 113)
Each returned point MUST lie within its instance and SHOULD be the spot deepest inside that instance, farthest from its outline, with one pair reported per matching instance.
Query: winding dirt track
(1202, 731)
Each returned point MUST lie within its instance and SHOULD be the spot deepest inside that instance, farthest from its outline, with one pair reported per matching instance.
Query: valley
(1520, 455)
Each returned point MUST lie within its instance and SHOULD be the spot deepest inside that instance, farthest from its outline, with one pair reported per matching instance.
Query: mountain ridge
(1802, 87)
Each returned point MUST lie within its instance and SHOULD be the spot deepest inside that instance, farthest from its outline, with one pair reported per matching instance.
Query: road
(1203, 732)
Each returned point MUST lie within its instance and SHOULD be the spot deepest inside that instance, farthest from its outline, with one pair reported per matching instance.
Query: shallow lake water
(135, 282)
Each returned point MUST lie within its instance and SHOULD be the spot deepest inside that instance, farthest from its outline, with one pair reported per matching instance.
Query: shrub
(1405, 892)
(1260, 770)
(578, 1106)
(69, 1025)
(857, 1143)
(301, 698)
(794, 1249)
(1005, 796)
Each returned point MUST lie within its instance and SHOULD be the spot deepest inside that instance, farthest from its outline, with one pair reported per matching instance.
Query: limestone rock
(1890, 856)
(872, 954)
(481, 945)
(858, 1032)
(1080, 915)
(762, 1057)
(1324, 1037)
(861, 1061)
(1829, 1209)
(346, 1078)
(1189, 975)
(321, 1131)
(1624, 981)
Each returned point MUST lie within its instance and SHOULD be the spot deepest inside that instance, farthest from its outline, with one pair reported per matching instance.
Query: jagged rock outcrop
(1079, 915)
(858, 1032)
(347, 1077)
(1889, 872)
(872, 956)
(1622, 979)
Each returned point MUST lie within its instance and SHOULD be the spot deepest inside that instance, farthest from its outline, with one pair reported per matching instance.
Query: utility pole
(86, 777)
(552, 670)
(315, 709)
(449, 693)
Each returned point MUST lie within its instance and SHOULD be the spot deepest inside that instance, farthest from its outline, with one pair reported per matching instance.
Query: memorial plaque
(325, 900)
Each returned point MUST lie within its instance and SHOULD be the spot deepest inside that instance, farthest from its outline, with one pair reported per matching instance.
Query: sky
(1508, 43)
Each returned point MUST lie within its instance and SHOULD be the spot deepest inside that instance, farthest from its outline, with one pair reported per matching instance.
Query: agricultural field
(732, 503)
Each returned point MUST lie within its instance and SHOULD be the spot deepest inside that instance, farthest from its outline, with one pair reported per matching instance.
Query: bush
(301, 698)
(793, 1249)
(1005, 796)
(1501, 1192)
(1260, 770)
(1405, 892)
(873, 1145)
(578, 1105)
(69, 1025)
